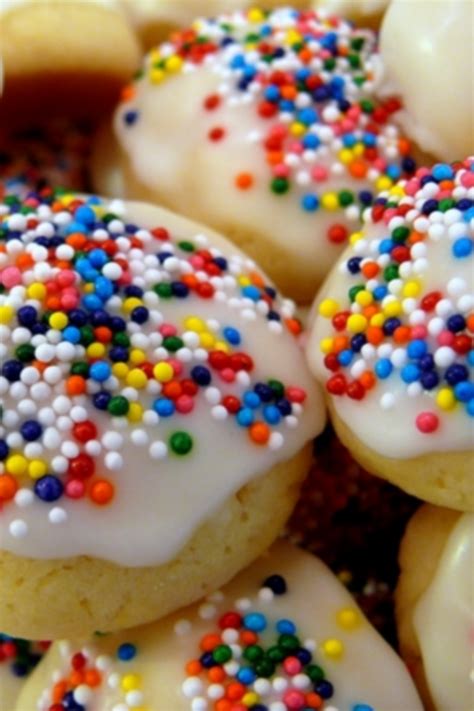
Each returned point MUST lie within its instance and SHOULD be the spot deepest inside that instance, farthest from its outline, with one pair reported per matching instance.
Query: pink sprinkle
(427, 422)
(66, 278)
(445, 338)
(196, 262)
(184, 404)
(167, 329)
(295, 394)
(281, 171)
(11, 276)
(412, 187)
(419, 332)
(347, 126)
(227, 375)
(319, 173)
(176, 365)
(69, 301)
(75, 489)
(292, 666)
(293, 699)
(467, 179)
(354, 113)
(295, 147)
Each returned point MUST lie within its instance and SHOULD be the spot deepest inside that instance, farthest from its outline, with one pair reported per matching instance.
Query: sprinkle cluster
(20, 655)
(391, 326)
(84, 334)
(311, 79)
(87, 674)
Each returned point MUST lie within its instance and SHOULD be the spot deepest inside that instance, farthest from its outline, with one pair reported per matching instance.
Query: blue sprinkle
(470, 407)
(164, 407)
(310, 202)
(245, 417)
(255, 621)
(232, 335)
(417, 348)
(72, 334)
(345, 357)
(85, 215)
(310, 141)
(97, 257)
(271, 414)
(130, 117)
(48, 488)
(362, 707)
(251, 399)
(246, 676)
(463, 247)
(100, 371)
(380, 292)
(386, 246)
(383, 368)
(285, 627)
(251, 292)
(308, 116)
(126, 652)
(92, 302)
(470, 357)
(410, 373)
(442, 171)
(272, 93)
(464, 391)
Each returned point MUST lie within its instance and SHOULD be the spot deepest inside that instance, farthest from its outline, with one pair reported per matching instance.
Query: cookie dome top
(276, 112)
(393, 328)
(140, 358)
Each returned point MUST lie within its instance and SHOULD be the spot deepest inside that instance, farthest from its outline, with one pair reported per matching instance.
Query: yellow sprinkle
(328, 308)
(58, 320)
(156, 76)
(356, 323)
(255, 14)
(37, 468)
(163, 372)
(6, 314)
(333, 648)
(397, 190)
(68, 198)
(36, 291)
(297, 129)
(411, 288)
(329, 201)
(346, 155)
(193, 323)
(355, 237)
(383, 183)
(135, 412)
(244, 281)
(16, 464)
(207, 340)
(377, 320)
(364, 298)
(392, 308)
(131, 303)
(293, 37)
(358, 149)
(445, 399)
(120, 370)
(96, 350)
(136, 378)
(137, 356)
(130, 682)
(155, 55)
(174, 63)
(222, 346)
(89, 288)
(250, 699)
(348, 618)
(326, 345)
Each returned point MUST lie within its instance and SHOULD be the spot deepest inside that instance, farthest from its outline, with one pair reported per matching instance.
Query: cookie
(265, 125)
(422, 41)
(18, 657)
(283, 636)
(156, 414)
(73, 67)
(392, 337)
(435, 606)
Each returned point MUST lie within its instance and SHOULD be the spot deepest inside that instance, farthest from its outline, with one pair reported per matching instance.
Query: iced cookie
(435, 606)
(427, 52)
(283, 636)
(392, 338)
(65, 57)
(156, 412)
(18, 658)
(265, 126)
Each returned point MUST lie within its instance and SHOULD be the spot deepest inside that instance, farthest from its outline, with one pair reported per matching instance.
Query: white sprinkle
(158, 450)
(182, 627)
(112, 440)
(57, 515)
(207, 611)
(18, 528)
(139, 437)
(24, 498)
(387, 401)
(266, 595)
(192, 686)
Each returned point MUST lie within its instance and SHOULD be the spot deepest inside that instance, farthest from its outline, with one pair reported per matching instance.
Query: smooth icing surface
(17, 659)
(355, 10)
(427, 52)
(393, 338)
(217, 655)
(444, 620)
(146, 377)
(275, 114)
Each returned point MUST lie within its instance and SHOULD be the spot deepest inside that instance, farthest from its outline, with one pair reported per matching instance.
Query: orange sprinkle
(257, 279)
(53, 303)
(470, 323)
(288, 92)
(248, 637)
(340, 343)
(370, 311)
(59, 689)
(313, 700)
(223, 705)
(8, 487)
(358, 169)
(128, 92)
(75, 385)
(76, 677)
(103, 334)
(367, 379)
(259, 432)
(275, 157)
(401, 334)
(101, 492)
(209, 642)
(416, 237)
(235, 691)
(370, 270)
(193, 668)
(24, 261)
(92, 678)
(190, 280)
(404, 146)
(173, 389)
(216, 675)
(293, 325)
(374, 335)
(244, 181)
(76, 240)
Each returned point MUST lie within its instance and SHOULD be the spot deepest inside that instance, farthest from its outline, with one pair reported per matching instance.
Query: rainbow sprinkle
(312, 80)
(390, 326)
(83, 298)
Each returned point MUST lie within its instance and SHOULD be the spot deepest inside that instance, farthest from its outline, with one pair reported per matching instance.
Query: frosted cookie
(435, 606)
(265, 126)
(426, 48)
(18, 657)
(74, 66)
(156, 408)
(283, 636)
(392, 338)
(153, 20)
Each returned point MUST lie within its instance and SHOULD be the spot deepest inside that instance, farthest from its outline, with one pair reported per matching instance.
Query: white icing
(192, 170)
(356, 10)
(367, 672)
(444, 622)
(7, 5)
(427, 52)
(159, 502)
(385, 419)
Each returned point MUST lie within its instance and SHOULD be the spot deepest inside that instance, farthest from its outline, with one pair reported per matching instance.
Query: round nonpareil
(266, 126)
(149, 372)
(392, 336)
(283, 636)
